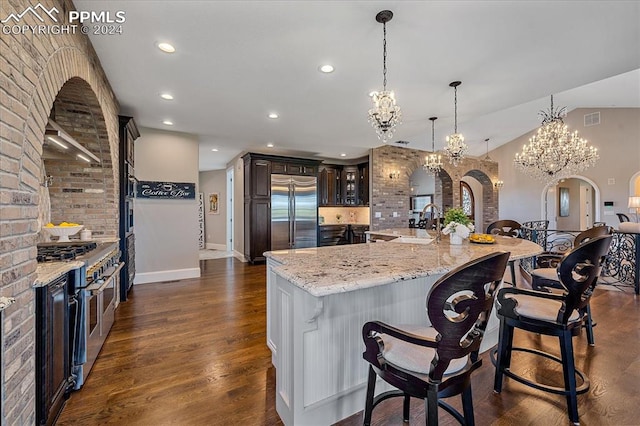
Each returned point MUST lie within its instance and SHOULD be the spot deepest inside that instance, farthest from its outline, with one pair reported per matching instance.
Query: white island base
(317, 346)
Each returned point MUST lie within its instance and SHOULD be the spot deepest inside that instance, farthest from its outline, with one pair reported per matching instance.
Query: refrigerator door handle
(293, 216)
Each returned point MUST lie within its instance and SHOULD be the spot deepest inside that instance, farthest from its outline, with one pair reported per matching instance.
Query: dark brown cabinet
(334, 235)
(340, 185)
(257, 197)
(329, 186)
(128, 133)
(53, 350)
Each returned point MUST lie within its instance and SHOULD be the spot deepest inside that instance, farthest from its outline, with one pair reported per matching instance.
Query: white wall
(238, 205)
(617, 138)
(166, 230)
(215, 225)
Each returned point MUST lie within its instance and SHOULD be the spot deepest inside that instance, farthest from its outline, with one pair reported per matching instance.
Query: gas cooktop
(56, 252)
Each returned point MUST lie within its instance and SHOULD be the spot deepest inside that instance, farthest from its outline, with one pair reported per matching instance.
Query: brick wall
(391, 195)
(33, 69)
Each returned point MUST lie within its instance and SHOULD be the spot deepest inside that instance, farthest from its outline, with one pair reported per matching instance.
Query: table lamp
(634, 202)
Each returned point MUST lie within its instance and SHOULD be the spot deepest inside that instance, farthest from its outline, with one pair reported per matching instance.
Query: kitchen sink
(412, 240)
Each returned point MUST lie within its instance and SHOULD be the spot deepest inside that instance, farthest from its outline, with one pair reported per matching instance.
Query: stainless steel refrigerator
(294, 212)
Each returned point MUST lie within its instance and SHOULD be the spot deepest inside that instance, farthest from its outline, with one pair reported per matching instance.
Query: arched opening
(571, 204)
(76, 187)
(484, 197)
(467, 200)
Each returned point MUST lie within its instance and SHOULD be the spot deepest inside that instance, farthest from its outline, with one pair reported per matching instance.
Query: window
(468, 203)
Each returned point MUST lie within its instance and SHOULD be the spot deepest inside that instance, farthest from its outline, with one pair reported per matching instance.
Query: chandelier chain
(455, 109)
(384, 56)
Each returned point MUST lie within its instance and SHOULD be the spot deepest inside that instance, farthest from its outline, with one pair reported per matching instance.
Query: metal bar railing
(622, 263)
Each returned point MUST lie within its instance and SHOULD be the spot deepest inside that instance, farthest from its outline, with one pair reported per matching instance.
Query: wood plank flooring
(193, 352)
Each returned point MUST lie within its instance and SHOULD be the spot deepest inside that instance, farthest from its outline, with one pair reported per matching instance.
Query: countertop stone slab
(47, 272)
(323, 271)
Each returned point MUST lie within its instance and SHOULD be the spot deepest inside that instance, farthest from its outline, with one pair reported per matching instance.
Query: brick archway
(36, 73)
(389, 196)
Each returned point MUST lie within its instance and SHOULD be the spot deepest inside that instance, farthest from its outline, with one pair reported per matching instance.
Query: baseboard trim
(212, 246)
(239, 256)
(161, 276)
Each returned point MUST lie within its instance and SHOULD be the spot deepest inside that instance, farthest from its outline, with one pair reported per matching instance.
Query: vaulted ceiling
(237, 61)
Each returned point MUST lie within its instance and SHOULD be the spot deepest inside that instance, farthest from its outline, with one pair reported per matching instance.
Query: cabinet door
(261, 178)
(333, 187)
(349, 184)
(257, 233)
(363, 184)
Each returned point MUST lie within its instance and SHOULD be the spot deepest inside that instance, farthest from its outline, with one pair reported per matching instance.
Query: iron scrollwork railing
(622, 264)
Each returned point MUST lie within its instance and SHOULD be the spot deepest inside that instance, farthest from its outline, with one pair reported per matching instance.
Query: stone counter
(327, 270)
(47, 272)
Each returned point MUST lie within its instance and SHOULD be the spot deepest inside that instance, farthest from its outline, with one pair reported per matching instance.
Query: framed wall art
(214, 203)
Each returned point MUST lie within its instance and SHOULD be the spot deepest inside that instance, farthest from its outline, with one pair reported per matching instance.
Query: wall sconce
(394, 174)
(499, 184)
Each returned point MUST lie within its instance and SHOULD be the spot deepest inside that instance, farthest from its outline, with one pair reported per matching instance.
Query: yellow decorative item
(63, 231)
(482, 239)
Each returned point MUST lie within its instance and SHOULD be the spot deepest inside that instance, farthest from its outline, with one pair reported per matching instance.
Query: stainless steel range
(93, 292)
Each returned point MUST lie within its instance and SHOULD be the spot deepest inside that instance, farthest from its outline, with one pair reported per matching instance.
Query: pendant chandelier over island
(385, 115)
(433, 162)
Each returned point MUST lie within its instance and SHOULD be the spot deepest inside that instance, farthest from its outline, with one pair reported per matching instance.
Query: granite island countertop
(323, 271)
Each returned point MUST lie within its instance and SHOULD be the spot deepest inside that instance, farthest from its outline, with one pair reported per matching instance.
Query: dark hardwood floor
(193, 352)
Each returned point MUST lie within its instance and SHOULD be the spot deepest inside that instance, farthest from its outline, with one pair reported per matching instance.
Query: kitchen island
(319, 298)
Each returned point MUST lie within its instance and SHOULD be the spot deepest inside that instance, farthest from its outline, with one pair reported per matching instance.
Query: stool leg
(569, 372)
(590, 338)
(371, 387)
(431, 406)
(467, 406)
(503, 357)
(406, 408)
(513, 272)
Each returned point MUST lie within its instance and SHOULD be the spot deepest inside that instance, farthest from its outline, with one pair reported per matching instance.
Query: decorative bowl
(63, 232)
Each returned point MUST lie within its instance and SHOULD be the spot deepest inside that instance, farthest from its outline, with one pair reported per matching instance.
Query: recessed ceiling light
(168, 122)
(167, 96)
(273, 115)
(326, 68)
(214, 149)
(343, 155)
(270, 145)
(166, 47)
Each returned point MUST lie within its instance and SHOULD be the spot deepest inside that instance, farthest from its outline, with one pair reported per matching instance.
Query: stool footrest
(586, 383)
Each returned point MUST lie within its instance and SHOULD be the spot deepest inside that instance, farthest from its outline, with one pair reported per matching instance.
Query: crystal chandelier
(385, 115)
(456, 147)
(432, 162)
(554, 153)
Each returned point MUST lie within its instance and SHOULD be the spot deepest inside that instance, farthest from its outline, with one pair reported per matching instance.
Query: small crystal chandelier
(385, 115)
(456, 148)
(554, 153)
(487, 158)
(433, 162)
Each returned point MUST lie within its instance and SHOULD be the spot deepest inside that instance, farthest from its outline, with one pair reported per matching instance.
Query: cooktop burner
(56, 252)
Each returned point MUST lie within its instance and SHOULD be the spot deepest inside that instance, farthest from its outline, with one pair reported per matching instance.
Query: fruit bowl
(63, 232)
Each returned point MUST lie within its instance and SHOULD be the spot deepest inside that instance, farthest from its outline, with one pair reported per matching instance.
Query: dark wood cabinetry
(53, 350)
(334, 235)
(257, 197)
(344, 185)
(329, 186)
(128, 133)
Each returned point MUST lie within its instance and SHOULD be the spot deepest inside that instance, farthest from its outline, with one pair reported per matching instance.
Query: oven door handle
(107, 281)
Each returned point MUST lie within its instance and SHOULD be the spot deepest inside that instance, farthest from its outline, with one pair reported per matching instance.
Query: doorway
(230, 209)
(571, 204)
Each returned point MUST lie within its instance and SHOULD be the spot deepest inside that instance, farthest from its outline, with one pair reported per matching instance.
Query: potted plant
(458, 225)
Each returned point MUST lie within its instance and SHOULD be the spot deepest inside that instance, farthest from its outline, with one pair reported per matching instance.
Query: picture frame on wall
(563, 202)
(214, 203)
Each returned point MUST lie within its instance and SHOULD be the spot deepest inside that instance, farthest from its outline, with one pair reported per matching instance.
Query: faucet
(436, 216)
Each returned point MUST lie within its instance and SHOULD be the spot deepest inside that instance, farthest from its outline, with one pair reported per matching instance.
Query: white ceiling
(236, 61)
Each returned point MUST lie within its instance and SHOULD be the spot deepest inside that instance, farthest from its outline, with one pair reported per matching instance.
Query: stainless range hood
(59, 144)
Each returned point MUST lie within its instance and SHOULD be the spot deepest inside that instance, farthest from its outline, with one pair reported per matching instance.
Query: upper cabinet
(343, 185)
